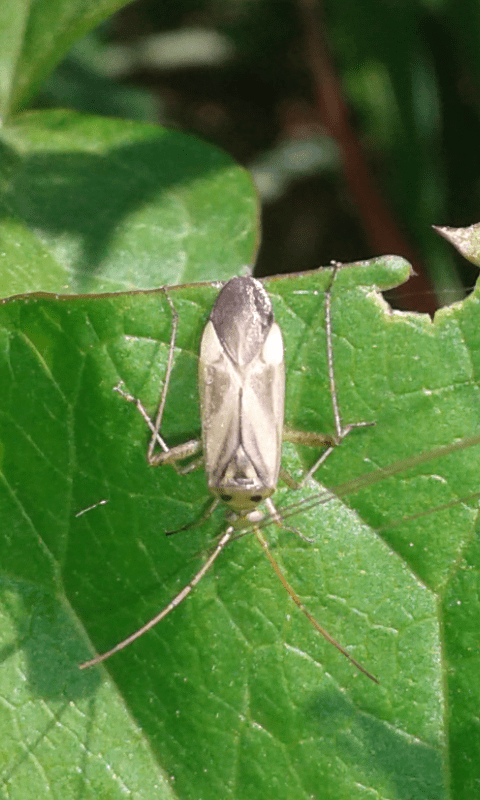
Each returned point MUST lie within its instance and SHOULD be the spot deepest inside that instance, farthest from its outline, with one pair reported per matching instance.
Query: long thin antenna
(354, 485)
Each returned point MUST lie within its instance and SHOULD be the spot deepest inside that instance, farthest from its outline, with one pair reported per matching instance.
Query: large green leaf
(34, 35)
(235, 694)
(89, 204)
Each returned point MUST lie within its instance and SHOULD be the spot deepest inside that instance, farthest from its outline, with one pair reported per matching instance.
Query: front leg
(169, 455)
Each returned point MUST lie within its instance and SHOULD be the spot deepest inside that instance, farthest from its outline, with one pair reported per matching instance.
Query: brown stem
(378, 221)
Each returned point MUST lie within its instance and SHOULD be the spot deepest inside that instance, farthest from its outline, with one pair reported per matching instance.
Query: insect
(241, 380)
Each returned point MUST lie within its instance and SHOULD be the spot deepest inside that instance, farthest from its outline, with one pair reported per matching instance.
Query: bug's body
(242, 392)
(242, 389)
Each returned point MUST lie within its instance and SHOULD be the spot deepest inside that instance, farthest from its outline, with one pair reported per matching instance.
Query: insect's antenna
(363, 481)
(305, 610)
(224, 540)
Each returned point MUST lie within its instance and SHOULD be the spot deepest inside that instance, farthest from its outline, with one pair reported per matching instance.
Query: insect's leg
(275, 517)
(224, 540)
(330, 364)
(303, 608)
(206, 515)
(169, 455)
(155, 426)
(158, 419)
(341, 430)
(140, 408)
(309, 439)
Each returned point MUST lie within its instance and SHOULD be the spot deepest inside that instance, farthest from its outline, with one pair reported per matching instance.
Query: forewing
(219, 388)
(263, 408)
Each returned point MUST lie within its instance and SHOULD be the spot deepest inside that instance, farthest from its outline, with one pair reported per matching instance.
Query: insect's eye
(256, 498)
(226, 497)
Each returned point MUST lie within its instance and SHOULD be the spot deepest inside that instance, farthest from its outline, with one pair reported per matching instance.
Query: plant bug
(241, 378)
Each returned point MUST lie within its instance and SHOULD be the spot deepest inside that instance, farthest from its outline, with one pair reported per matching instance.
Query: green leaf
(35, 35)
(92, 204)
(234, 694)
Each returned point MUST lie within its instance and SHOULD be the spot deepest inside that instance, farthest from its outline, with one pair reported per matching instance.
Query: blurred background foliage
(359, 120)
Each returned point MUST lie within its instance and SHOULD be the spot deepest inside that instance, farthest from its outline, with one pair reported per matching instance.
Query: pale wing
(263, 408)
(220, 393)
